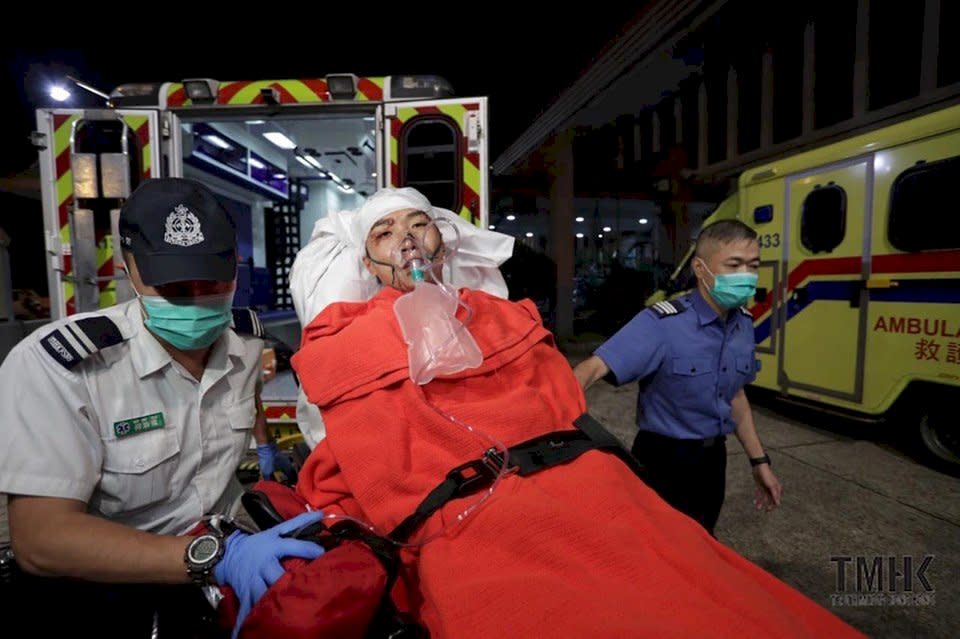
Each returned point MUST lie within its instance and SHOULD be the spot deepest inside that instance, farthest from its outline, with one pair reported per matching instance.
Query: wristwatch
(756, 461)
(202, 555)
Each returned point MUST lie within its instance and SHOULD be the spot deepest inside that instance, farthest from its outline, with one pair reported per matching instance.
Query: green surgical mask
(731, 290)
(188, 323)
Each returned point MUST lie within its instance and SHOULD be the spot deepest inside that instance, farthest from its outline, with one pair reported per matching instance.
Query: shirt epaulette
(76, 340)
(667, 308)
(245, 320)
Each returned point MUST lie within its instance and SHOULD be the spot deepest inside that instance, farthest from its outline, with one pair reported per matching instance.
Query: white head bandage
(330, 267)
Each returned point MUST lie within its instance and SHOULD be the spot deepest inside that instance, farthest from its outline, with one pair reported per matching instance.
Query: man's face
(392, 246)
(741, 256)
(175, 290)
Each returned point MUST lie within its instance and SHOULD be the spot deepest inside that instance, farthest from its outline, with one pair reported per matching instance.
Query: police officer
(121, 429)
(693, 356)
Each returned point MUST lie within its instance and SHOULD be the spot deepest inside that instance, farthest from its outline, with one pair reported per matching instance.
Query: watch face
(204, 548)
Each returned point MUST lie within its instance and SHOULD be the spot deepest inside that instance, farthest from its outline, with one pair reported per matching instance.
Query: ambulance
(279, 154)
(858, 303)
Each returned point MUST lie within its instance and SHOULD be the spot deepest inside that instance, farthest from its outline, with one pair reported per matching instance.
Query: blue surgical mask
(188, 323)
(731, 290)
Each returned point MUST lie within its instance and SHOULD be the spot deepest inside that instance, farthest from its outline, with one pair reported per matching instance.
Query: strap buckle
(495, 461)
(478, 474)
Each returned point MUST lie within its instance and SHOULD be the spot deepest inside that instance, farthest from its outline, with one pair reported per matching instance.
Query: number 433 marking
(769, 240)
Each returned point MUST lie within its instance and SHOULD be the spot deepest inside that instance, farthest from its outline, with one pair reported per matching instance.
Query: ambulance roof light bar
(136, 94)
(419, 86)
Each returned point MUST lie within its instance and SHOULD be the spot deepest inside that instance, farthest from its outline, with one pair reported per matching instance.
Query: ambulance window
(823, 221)
(430, 147)
(106, 137)
(923, 211)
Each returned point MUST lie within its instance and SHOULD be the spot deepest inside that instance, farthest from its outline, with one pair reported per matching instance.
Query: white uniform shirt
(127, 430)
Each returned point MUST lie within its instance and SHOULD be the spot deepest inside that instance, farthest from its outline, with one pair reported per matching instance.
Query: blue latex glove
(251, 563)
(266, 454)
(271, 460)
(282, 463)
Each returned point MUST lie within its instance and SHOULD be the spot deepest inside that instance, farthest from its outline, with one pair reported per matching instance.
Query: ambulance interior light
(280, 140)
(217, 141)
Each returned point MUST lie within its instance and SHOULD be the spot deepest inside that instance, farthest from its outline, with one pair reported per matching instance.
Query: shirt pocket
(746, 368)
(243, 412)
(692, 366)
(138, 470)
(241, 416)
(691, 375)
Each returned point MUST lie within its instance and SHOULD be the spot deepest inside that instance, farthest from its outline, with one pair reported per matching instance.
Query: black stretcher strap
(608, 441)
(524, 459)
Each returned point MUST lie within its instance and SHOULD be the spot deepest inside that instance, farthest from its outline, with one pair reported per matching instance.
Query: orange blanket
(583, 549)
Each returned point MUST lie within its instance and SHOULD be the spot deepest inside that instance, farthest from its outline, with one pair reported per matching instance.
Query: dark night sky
(522, 64)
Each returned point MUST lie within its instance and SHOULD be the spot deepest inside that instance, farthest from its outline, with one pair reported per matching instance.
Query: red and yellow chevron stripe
(62, 126)
(471, 160)
(281, 420)
(290, 91)
(280, 412)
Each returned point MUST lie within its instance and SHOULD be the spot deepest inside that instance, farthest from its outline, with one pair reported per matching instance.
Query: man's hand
(251, 563)
(589, 371)
(768, 488)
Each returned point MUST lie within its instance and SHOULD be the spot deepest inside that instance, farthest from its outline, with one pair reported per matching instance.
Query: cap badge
(183, 227)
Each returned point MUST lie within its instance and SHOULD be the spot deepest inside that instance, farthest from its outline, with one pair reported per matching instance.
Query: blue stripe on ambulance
(930, 291)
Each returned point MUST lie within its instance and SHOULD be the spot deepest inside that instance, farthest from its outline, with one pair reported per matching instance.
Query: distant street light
(59, 94)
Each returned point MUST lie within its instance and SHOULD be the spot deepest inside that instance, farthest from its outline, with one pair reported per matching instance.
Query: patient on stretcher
(564, 541)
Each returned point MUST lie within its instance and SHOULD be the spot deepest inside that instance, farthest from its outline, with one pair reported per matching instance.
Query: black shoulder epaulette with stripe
(76, 340)
(245, 320)
(667, 308)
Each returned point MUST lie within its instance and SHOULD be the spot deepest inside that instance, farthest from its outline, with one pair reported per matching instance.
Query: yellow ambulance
(858, 302)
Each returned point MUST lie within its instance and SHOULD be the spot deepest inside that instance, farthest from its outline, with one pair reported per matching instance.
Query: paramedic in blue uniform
(693, 356)
(121, 429)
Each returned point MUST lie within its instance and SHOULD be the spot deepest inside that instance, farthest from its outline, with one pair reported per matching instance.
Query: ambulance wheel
(940, 436)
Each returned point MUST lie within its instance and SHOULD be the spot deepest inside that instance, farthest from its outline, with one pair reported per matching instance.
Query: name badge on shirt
(138, 425)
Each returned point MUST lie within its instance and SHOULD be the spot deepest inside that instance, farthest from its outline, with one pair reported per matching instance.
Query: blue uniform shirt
(689, 362)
